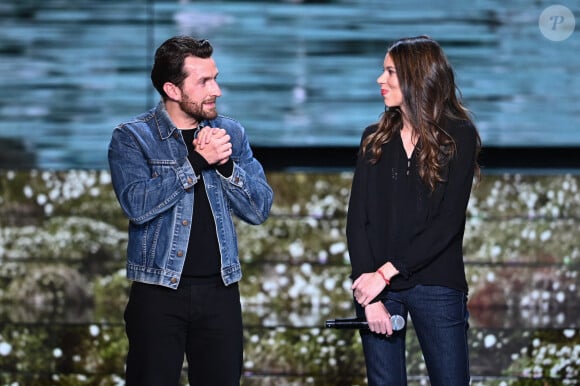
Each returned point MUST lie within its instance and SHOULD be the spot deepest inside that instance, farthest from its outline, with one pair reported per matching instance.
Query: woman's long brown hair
(430, 97)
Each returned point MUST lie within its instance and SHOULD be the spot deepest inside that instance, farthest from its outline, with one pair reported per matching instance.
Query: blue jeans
(440, 320)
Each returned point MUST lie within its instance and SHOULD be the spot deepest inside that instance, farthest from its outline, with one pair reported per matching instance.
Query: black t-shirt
(203, 256)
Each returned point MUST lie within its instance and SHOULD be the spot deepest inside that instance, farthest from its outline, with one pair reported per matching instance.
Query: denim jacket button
(180, 253)
(189, 180)
(184, 222)
(173, 280)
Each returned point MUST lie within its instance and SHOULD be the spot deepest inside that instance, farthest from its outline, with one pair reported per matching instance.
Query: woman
(406, 217)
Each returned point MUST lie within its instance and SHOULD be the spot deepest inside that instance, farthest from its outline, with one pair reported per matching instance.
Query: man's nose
(216, 90)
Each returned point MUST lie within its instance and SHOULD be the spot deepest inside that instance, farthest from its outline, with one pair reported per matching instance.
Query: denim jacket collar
(165, 125)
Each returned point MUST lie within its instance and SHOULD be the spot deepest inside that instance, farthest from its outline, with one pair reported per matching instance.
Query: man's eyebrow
(206, 78)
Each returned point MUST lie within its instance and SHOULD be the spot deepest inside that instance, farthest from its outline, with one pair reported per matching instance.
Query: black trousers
(201, 320)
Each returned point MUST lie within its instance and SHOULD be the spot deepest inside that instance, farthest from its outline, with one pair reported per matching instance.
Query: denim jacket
(153, 181)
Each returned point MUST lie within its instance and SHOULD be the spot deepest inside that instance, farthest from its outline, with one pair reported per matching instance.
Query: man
(178, 171)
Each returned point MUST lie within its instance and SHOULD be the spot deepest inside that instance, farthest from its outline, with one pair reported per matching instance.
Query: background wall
(295, 73)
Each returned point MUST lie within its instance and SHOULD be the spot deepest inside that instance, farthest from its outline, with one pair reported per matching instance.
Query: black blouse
(392, 215)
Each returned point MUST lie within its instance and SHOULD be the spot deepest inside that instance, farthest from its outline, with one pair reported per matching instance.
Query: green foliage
(552, 355)
(63, 287)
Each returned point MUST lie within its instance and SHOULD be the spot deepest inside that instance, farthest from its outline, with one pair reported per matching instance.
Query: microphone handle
(397, 321)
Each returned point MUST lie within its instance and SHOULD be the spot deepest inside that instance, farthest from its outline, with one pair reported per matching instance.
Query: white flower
(94, 330)
(5, 348)
(57, 353)
(489, 341)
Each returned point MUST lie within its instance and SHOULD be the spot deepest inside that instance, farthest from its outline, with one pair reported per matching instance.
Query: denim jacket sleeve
(247, 190)
(147, 181)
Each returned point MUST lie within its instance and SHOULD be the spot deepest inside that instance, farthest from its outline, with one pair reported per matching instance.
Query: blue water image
(295, 73)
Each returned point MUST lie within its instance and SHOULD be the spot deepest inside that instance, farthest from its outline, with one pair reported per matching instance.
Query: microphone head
(398, 322)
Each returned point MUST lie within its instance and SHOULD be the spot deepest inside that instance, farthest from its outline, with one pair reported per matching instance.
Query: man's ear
(173, 92)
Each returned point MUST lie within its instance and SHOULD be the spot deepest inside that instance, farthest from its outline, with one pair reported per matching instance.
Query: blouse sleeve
(359, 249)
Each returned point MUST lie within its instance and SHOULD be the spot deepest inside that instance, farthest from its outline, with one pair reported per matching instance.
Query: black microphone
(397, 321)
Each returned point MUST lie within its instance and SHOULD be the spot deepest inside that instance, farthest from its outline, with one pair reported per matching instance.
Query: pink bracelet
(387, 281)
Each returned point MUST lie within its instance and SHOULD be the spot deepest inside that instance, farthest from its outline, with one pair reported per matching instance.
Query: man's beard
(196, 111)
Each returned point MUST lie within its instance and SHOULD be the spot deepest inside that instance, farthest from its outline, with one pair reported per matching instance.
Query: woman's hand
(379, 319)
(367, 286)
